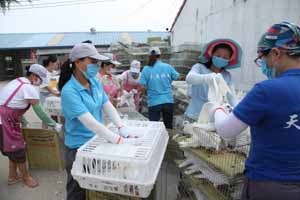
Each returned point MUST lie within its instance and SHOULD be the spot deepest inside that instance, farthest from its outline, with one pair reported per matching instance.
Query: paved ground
(51, 187)
(52, 183)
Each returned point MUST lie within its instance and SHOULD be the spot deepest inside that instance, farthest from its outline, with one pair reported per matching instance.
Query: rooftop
(68, 39)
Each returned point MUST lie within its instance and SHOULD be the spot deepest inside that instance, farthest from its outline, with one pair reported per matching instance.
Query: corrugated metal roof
(36, 40)
(42, 40)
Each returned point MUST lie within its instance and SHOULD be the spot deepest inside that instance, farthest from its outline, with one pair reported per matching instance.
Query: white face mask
(38, 82)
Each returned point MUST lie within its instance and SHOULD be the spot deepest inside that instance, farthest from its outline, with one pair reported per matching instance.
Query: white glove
(132, 141)
(124, 132)
(127, 132)
(58, 127)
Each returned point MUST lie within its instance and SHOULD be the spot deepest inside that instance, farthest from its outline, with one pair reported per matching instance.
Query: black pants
(270, 190)
(167, 114)
(74, 191)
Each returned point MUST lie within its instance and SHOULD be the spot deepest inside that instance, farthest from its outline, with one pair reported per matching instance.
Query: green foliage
(5, 4)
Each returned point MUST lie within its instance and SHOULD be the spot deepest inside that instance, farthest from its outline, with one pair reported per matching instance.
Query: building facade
(18, 50)
(200, 21)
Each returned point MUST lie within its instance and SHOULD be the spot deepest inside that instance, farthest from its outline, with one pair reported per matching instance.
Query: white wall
(241, 20)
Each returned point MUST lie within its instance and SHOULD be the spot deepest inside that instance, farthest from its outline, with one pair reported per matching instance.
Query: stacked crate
(184, 56)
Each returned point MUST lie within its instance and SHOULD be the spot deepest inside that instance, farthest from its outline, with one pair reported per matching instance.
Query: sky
(81, 15)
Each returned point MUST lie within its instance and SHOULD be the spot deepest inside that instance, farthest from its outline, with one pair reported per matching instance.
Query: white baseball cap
(135, 66)
(112, 59)
(83, 50)
(39, 70)
(154, 51)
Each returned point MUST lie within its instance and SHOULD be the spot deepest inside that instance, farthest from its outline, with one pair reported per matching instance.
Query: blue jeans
(167, 113)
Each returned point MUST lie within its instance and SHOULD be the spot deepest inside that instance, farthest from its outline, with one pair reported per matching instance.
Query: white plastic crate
(122, 168)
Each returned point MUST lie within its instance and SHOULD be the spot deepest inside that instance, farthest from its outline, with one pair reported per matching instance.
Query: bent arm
(40, 112)
(228, 126)
(96, 127)
(195, 78)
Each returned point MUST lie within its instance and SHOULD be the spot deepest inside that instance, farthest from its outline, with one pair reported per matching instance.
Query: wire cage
(213, 165)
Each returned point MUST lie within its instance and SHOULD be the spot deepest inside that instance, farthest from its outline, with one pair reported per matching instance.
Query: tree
(4, 4)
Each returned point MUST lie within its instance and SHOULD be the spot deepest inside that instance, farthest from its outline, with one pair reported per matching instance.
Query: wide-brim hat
(234, 61)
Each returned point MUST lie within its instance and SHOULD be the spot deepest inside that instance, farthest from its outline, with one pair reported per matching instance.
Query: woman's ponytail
(65, 73)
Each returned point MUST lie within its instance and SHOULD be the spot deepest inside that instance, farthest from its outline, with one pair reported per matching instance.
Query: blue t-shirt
(272, 110)
(77, 100)
(199, 92)
(158, 82)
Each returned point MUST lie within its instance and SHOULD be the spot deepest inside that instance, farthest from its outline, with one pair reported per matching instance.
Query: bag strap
(127, 78)
(14, 93)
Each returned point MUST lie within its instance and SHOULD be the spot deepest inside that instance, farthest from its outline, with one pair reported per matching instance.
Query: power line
(57, 4)
(173, 11)
(141, 7)
(19, 2)
(32, 4)
(28, 1)
(174, 3)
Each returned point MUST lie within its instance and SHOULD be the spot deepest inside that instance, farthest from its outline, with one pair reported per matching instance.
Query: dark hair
(105, 63)
(223, 46)
(207, 64)
(47, 61)
(87, 41)
(28, 73)
(66, 72)
(294, 56)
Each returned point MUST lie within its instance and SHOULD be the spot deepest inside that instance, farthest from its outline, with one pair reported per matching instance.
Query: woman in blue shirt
(83, 100)
(271, 110)
(216, 57)
(157, 78)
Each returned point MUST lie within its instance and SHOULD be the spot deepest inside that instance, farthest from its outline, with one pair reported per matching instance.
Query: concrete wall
(242, 20)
